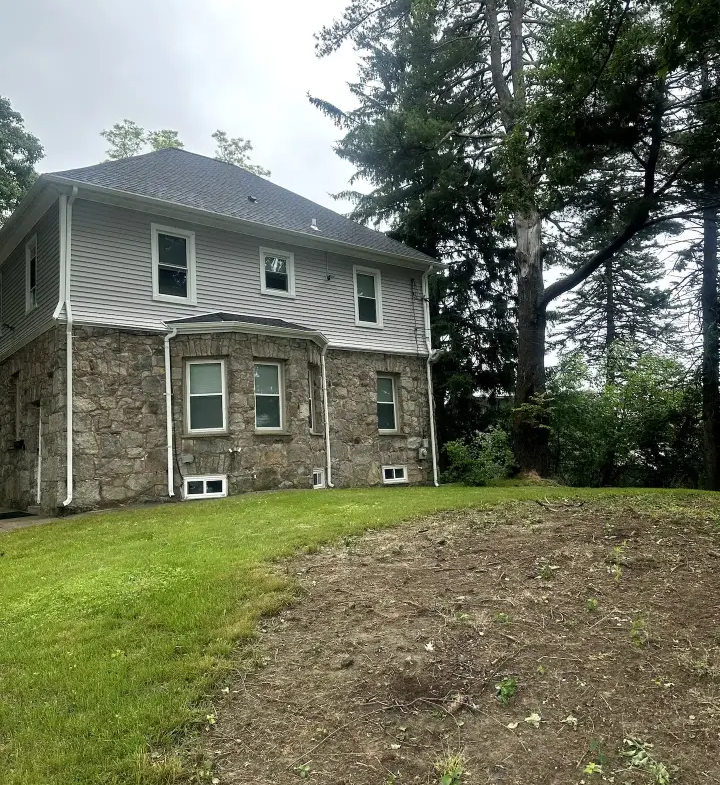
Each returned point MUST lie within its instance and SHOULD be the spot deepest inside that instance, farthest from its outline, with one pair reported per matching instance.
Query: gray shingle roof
(192, 180)
(224, 316)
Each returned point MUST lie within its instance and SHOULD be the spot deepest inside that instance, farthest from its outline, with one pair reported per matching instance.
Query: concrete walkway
(11, 524)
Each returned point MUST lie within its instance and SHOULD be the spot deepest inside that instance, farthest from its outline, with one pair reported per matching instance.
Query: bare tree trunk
(531, 438)
(611, 331)
(711, 351)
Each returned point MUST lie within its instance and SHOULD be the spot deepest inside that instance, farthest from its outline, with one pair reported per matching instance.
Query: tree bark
(711, 351)
(531, 437)
(610, 328)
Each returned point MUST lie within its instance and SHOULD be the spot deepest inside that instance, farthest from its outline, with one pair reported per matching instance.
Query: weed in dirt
(597, 753)
(702, 667)
(506, 690)
(303, 771)
(638, 753)
(547, 572)
(502, 618)
(638, 631)
(591, 604)
(450, 767)
(615, 559)
(542, 670)
(392, 778)
(593, 768)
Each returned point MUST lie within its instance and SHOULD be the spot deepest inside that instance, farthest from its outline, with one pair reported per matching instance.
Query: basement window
(394, 475)
(211, 486)
(318, 478)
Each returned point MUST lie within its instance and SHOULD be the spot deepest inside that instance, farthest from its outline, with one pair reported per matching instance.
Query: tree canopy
(19, 152)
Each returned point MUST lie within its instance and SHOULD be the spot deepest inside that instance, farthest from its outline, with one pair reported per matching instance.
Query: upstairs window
(173, 258)
(386, 404)
(368, 300)
(277, 272)
(268, 397)
(205, 406)
(31, 275)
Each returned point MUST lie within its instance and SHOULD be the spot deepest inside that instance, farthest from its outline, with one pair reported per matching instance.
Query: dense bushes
(486, 457)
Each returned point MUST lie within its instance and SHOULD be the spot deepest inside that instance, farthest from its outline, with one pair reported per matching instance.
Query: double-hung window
(277, 272)
(368, 297)
(268, 397)
(387, 404)
(173, 261)
(206, 397)
(31, 275)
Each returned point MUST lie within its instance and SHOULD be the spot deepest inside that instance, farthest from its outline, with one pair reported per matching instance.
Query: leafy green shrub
(487, 457)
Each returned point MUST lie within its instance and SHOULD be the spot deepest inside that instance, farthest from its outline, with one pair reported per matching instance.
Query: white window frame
(205, 478)
(393, 379)
(395, 480)
(290, 259)
(378, 296)
(189, 430)
(281, 387)
(31, 298)
(320, 480)
(191, 298)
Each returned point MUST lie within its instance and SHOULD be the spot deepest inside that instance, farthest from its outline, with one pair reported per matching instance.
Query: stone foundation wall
(358, 450)
(37, 371)
(120, 448)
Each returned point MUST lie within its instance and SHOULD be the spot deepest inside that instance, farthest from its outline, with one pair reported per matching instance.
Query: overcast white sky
(74, 67)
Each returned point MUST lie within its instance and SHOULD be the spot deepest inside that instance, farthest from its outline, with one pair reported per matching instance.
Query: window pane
(172, 282)
(206, 412)
(267, 411)
(276, 281)
(384, 389)
(195, 487)
(388, 474)
(400, 473)
(267, 380)
(274, 264)
(366, 285)
(214, 486)
(33, 272)
(367, 310)
(386, 416)
(205, 378)
(172, 250)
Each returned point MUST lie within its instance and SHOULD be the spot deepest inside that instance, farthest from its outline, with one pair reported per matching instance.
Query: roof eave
(254, 227)
(187, 328)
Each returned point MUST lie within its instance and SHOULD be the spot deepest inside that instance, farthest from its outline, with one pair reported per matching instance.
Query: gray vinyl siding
(112, 282)
(24, 326)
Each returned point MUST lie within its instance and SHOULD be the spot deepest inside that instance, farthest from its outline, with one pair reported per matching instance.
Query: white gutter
(328, 460)
(431, 400)
(68, 352)
(168, 413)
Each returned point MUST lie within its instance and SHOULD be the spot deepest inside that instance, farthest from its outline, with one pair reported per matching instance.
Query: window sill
(392, 433)
(167, 298)
(369, 325)
(278, 293)
(317, 433)
(205, 434)
(281, 435)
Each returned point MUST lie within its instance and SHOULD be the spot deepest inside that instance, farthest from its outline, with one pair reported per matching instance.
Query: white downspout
(38, 495)
(431, 401)
(68, 352)
(328, 460)
(168, 413)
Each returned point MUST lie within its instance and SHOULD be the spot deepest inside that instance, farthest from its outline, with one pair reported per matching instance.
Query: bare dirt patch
(602, 618)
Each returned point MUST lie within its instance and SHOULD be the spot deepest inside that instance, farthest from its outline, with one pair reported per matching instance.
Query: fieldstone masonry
(120, 447)
(37, 372)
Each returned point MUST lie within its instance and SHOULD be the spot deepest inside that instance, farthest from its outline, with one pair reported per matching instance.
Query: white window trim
(29, 306)
(189, 430)
(205, 478)
(281, 385)
(191, 298)
(321, 473)
(290, 259)
(378, 296)
(393, 379)
(395, 481)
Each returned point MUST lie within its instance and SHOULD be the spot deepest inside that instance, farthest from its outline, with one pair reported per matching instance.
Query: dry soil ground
(605, 615)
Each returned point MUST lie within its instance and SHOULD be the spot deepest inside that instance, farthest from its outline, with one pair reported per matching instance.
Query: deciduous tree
(19, 152)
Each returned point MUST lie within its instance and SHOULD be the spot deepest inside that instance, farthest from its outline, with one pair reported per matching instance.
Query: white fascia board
(133, 201)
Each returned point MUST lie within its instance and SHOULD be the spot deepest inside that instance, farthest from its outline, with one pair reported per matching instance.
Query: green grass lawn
(114, 627)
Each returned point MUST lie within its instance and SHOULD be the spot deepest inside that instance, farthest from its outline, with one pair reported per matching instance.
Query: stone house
(175, 327)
